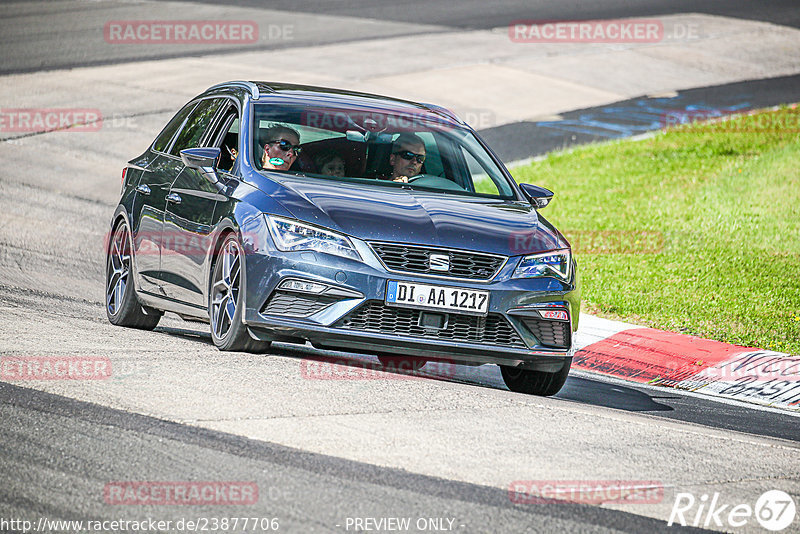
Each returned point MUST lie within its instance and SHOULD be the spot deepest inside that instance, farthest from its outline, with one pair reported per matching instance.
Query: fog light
(558, 315)
(304, 287)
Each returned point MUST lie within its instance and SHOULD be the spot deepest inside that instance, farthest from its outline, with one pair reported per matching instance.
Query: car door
(189, 214)
(150, 203)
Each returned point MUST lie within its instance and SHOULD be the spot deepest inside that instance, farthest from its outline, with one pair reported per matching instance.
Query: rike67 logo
(774, 510)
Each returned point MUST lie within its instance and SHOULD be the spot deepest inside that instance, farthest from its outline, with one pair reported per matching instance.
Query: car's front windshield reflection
(424, 150)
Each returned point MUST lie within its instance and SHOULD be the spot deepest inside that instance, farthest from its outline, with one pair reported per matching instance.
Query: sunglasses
(286, 146)
(408, 155)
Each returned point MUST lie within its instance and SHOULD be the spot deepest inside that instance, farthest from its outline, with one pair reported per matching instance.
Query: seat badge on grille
(439, 262)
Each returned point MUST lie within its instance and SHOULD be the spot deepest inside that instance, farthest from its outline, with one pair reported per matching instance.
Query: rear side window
(163, 139)
(196, 125)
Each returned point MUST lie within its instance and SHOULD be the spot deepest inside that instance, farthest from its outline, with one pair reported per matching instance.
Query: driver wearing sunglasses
(281, 147)
(408, 155)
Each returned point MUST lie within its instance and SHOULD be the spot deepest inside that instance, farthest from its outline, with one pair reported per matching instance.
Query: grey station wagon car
(348, 220)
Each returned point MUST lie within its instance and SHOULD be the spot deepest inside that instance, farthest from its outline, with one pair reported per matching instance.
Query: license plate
(434, 297)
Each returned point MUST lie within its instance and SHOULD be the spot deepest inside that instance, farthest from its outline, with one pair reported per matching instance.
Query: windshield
(356, 145)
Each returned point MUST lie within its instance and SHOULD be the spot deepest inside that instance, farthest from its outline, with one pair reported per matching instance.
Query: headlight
(293, 236)
(557, 264)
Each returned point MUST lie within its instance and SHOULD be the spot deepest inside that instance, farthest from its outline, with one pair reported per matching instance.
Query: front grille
(549, 333)
(289, 304)
(375, 316)
(415, 259)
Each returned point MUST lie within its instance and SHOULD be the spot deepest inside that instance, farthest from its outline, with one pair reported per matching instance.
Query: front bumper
(351, 314)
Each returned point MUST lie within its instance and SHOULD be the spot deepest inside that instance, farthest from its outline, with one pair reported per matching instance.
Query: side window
(166, 135)
(481, 180)
(196, 125)
(226, 137)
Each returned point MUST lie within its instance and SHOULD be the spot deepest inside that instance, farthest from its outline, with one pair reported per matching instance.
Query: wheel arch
(121, 215)
(225, 228)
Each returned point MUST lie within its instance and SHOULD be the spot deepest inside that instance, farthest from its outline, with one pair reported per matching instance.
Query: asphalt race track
(307, 492)
(44, 35)
(341, 450)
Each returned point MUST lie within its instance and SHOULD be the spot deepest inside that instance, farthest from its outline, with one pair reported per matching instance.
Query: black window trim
(220, 116)
(195, 103)
(192, 103)
(220, 121)
(202, 138)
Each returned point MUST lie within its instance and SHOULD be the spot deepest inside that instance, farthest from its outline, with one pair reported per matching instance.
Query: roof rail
(250, 86)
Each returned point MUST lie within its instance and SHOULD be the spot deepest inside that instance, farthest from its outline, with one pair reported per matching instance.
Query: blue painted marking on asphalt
(641, 116)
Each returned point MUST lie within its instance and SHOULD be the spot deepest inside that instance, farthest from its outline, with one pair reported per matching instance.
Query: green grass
(695, 230)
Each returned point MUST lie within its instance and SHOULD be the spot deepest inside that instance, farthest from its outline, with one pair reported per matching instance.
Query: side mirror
(204, 160)
(356, 136)
(539, 196)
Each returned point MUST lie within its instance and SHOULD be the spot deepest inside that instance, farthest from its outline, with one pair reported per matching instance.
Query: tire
(226, 301)
(122, 306)
(402, 363)
(535, 382)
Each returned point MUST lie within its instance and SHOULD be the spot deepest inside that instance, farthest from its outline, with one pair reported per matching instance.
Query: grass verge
(694, 230)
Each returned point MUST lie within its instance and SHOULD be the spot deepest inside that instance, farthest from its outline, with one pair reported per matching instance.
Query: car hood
(380, 213)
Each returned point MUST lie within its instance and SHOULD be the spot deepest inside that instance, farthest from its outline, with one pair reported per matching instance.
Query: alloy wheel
(225, 289)
(119, 267)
